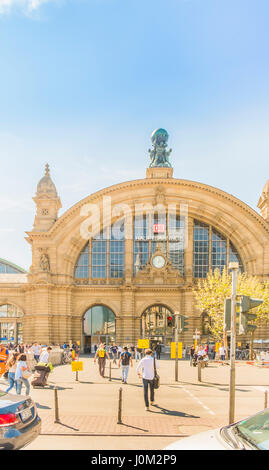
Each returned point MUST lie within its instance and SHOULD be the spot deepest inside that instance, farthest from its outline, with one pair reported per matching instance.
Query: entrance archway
(10, 324)
(157, 324)
(98, 325)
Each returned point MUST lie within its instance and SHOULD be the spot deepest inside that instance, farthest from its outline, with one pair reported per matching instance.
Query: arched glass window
(103, 256)
(82, 268)
(157, 320)
(99, 320)
(9, 268)
(160, 231)
(211, 250)
(10, 311)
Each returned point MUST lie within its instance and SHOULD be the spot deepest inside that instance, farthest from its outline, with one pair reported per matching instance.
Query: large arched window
(164, 231)
(99, 320)
(103, 256)
(211, 250)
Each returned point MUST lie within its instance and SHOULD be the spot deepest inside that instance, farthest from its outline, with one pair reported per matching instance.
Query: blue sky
(83, 84)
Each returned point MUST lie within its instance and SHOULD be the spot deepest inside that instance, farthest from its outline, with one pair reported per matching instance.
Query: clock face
(158, 261)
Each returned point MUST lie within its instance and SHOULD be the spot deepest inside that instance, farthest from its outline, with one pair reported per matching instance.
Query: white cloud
(26, 6)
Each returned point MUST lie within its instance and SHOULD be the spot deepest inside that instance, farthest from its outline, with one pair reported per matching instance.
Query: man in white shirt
(222, 352)
(44, 357)
(147, 364)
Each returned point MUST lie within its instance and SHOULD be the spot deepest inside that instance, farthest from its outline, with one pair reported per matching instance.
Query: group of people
(146, 368)
(15, 364)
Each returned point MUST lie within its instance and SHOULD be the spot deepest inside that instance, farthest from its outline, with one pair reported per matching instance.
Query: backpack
(125, 359)
(101, 353)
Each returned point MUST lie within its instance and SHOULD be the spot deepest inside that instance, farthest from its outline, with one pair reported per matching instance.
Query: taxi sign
(173, 350)
(143, 344)
(76, 365)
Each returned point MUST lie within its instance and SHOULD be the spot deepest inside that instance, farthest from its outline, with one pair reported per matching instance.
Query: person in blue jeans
(124, 362)
(11, 366)
(21, 368)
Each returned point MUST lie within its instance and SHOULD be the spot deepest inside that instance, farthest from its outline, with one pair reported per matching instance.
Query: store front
(10, 324)
(99, 326)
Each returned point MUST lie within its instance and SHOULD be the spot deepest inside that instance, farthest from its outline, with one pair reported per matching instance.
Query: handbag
(26, 374)
(156, 378)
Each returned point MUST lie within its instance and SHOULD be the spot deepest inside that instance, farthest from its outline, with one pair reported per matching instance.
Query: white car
(249, 434)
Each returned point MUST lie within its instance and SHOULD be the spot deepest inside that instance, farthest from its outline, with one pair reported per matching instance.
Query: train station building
(118, 264)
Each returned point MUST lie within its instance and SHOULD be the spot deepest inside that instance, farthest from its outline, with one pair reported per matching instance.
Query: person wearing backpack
(102, 355)
(125, 361)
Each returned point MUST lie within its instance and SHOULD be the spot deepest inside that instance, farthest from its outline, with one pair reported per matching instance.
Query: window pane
(218, 251)
(200, 249)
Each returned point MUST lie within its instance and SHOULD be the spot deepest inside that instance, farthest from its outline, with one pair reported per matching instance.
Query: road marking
(198, 401)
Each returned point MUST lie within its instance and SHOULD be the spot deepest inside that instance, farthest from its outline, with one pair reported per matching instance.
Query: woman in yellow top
(102, 355)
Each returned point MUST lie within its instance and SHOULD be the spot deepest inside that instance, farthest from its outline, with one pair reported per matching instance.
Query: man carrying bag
(150, 377)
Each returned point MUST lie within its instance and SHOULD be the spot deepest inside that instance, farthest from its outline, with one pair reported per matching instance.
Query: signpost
(234, 268)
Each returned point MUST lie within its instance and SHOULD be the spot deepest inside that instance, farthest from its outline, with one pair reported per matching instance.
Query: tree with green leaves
(210, 294)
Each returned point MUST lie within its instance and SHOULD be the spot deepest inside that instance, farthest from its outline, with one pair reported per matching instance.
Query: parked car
(249, 434)
(19, 421)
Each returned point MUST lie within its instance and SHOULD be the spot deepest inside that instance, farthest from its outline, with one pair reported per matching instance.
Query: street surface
(88, 409)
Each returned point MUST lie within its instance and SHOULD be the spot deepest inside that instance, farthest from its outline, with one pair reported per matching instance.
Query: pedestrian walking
(124, 362)
(36, 349)
(148, 364)
(22, 374)
(138, 352)
(102, 354)
(3, 358)
(11, 369)
(158, 350)
(114, 352)
(222, 352)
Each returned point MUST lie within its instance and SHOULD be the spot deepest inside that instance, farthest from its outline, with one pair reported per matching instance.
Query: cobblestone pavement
(89, 407)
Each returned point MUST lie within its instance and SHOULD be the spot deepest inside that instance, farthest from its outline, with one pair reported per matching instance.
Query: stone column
(188, 257)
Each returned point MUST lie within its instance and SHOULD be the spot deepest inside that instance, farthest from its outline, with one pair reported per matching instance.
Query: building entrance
(99, 326)
(157, 324)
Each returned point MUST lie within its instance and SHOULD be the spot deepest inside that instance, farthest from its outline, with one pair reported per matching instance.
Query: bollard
(120, 407)
(266, 399)
(76, 376)
(56, 406)
(199, 371)
(109, 371)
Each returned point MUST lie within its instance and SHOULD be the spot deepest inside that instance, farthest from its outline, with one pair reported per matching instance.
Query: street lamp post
(234, 268)
(176, 341)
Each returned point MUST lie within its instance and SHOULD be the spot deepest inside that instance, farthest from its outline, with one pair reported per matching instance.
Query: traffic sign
(143, 344)
(173, 350)
(76, 366)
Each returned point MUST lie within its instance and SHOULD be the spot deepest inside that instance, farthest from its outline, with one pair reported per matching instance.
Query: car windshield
(256, 430)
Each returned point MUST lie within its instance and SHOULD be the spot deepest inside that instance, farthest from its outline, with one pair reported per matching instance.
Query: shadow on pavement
(133, 427)
(164, 411)
(42, 407)
(66, 426)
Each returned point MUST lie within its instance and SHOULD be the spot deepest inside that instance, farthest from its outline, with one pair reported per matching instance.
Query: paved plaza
(88, 408)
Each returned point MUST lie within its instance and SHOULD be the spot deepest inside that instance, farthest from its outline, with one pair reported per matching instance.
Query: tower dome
(46, 184)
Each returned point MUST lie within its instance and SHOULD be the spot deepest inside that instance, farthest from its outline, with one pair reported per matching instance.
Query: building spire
(47, 170)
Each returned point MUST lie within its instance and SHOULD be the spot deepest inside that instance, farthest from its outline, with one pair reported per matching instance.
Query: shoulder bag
(156, 378)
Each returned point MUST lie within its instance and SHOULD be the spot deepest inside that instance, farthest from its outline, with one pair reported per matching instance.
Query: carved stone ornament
(44, 262)
(165, 276)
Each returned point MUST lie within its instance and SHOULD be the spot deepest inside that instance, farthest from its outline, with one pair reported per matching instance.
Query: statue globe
(159, 155)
